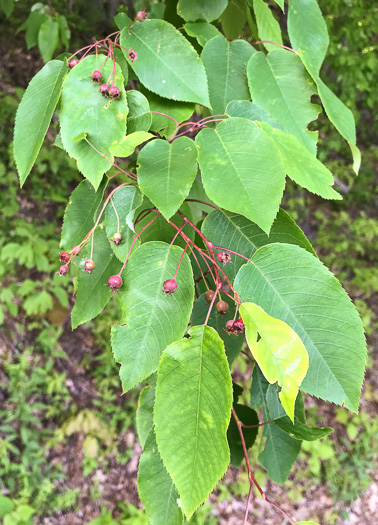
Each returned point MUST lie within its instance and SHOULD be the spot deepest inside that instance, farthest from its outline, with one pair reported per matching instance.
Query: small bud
(64, 257)
(96, 76)
(114, 92)
(104, 90)
(117, 238)
(170, 286)
(63, 270)
(89, 265)
(224, 257)
(72, 63)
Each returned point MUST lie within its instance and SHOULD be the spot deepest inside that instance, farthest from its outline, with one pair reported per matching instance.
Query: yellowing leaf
(280, 353)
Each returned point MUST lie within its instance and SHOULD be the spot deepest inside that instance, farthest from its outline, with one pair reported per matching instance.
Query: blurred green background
(68, 451)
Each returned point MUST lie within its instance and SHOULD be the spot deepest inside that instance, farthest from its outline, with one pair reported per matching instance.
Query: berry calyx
(89, 265)
(224, 257)
(114, 92)
(170, 286)
(117, 238)
(141, 15)
(133, 55)
(75, 250)
(104, 90)
(64, 257)
(115, 282)
(63, 270)
(72, 63)
(222, 307)
(209, 296)
(96, 76)
(230, 327)
(239, 326)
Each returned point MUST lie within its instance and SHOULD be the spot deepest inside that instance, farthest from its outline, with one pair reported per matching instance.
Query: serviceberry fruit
(222, 307)
(96, 76)
(170, 286)
(72, 63)
(63, 270)
(133, 55)
(114, 92)
(117, 238)
(209, 296)
(230, 327)
(75, 250)
(115, 282)
(89, 265)
(239, 326)
(224, 257)
(64, 257)
(104, 90)
(141, 15)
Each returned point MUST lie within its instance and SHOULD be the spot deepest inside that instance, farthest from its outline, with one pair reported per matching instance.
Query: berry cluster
(235, 327)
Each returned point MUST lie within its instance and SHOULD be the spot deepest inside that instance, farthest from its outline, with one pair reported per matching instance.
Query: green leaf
(125, 201)
(48, 38)
(160, 230)
(309, 36)
(7, 6)
(139, 117)
(235, 232)
(92, 294)
(155, 486)
(166, 172)
(202, 31)
(244, 158)
(279, 353)
(250, 110)
(34, 115)
(33, 24)
(279, 83)
(180, 111)
(294, 286)
(6, 505)
(301, 165)
(281, 3)
(308, 33)
(79, 216)
(64, 31)
(82, 136)
(192, 412)
(298, 429)
(225, 64)
(267, 25)
(121, 61)
(122, 20)
(152, 320)
(280, 450)
(145, 413)
(234, 18)
(248, 416)
(126, 146)
(85, 109)
(232, 343)
(167, 64)
(192, 10)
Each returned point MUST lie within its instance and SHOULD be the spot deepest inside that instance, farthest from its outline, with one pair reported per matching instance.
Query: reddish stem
(134, 241)
(231, 251)
(276, 44)
(203, 202)
(128, 173)
(180, 261)
(177, 233)
(164, 115)
(218, 287)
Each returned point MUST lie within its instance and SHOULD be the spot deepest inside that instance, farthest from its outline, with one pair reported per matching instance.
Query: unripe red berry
(141, 15)
(75, 250)
(230, 326)
(222, 307)
(72, 63)
(89, 265)
(63, 270)
(224, 257)
(104, 90)
(96, 76)
(115, 282)
(170, 286)
(64, 257)
(117, 238)
(239, 326)
(114, 92)
(209, 296)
